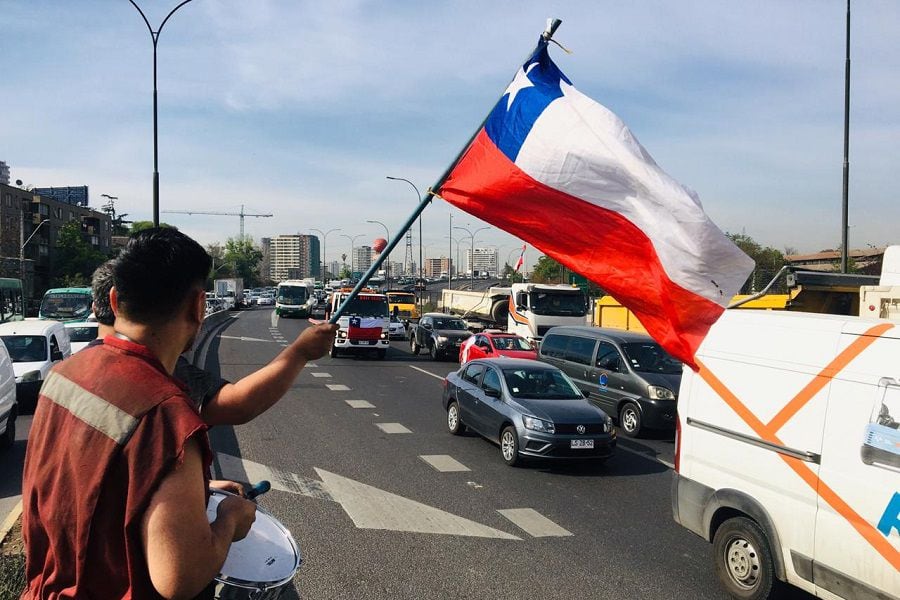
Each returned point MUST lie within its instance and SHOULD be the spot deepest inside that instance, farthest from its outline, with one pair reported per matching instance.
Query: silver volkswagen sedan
(528, 408)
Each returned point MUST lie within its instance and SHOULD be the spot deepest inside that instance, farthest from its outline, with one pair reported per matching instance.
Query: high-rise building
(4, 173)
(334, 269)
(362, 258)
(486, 261)
(265, 265)
(436, 267)
(294, 255)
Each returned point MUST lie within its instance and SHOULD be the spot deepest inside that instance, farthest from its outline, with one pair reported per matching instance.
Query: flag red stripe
(598, 243)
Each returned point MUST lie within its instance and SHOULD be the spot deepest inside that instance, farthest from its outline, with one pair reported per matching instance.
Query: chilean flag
(563, 173)
(521, 260)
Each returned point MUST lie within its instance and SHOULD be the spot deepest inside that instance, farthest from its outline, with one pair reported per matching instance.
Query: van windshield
(66, 305)
(559, 304)
(367, 306)
(649, 357)
(292, 294)
(26, 348)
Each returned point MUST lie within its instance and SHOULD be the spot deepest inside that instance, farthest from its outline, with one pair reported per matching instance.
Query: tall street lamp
(154, 35)
(24, 243)
(421, 257)
(324, 239)
(472, 236)
(387, 234)
(352, 239)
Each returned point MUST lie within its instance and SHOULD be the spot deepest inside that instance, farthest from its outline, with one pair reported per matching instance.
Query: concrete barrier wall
(210, 324)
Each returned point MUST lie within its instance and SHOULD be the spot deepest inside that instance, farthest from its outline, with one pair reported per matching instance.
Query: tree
(509, 273)
(768, 262)
(75, 258)
(546, 270)
(243, 258)
(142, 225)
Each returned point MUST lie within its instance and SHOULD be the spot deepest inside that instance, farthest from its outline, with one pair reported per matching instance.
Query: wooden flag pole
(546, 36)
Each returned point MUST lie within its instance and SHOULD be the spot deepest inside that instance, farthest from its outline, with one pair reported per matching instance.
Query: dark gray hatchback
(625, 373)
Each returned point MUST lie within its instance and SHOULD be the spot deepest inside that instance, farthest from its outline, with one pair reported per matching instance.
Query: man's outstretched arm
(249, 397)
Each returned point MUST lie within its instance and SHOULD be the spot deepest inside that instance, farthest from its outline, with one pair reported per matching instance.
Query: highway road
(385, 503)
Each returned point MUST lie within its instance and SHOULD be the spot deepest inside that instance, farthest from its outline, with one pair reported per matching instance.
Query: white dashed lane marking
(426, 372)
(337, 387)
(444, 463)
(392, 428)
(534, 523)
(321, 374)
(359, 404)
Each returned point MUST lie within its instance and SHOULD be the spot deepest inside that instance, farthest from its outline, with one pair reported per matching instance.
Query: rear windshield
(540, 384)
(82, 334)
(26, 348)
(649, 357)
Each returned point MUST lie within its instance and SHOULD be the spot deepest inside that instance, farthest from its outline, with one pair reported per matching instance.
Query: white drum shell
(259, 566)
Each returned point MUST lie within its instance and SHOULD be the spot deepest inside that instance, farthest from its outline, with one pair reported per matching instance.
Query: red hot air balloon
(379, 244)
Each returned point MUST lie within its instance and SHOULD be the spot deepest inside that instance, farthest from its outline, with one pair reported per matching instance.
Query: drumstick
(257, 490)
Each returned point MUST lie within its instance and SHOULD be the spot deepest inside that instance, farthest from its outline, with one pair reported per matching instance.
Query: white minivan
(9, 409)
(788, 453)
(34, 347)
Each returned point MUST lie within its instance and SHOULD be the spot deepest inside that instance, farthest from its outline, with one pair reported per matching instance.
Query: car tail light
(677, 444)
(445, 383)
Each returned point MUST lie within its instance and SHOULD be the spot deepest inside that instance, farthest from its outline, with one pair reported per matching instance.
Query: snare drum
(262, 564)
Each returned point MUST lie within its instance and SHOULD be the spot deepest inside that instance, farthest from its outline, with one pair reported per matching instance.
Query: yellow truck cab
(402, 304)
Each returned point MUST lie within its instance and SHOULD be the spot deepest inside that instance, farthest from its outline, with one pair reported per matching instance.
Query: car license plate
(365, 342)
(586, 444)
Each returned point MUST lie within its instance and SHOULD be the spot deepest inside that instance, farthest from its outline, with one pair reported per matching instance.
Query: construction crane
(241, 214)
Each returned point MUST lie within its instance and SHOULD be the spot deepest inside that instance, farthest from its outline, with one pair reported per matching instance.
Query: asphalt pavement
(359, 455)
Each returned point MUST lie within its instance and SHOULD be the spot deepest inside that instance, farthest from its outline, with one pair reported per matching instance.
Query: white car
(34, 347)
(396, 329)
(9, 408)
(266, 301)
(81, 334)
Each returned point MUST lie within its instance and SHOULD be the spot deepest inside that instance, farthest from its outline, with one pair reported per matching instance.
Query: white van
(34, 347)
(9, 409)
(788, 453)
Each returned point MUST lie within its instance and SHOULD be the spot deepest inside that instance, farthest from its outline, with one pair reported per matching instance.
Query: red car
(491, 345)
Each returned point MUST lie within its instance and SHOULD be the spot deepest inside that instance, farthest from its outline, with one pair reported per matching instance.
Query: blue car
(530, 409)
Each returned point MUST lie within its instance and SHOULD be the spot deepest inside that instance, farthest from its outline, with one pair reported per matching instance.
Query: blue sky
(301, 109)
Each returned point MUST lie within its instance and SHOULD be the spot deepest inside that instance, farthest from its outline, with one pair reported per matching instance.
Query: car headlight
(342, 334)
(660, 393)
(441, 339)
(384, 335)
(30, 376)
(608, 425)
(536, 424)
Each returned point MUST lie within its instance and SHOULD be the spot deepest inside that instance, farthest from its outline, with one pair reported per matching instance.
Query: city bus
(68, 305)
(12, 300)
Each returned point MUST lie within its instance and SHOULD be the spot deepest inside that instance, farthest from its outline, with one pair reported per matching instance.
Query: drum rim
(250, 585)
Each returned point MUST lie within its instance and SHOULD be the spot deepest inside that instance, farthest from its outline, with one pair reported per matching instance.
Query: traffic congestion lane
(624, 543)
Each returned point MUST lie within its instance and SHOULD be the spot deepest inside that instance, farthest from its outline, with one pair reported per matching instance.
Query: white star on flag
(520, 82)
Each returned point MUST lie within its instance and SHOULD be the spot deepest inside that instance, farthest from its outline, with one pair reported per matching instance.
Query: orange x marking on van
(768, 432)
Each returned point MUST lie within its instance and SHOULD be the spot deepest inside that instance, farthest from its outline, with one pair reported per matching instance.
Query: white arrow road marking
(243, 339)
(444, 463)
(234, 468)
(371, 508)
(534, 523)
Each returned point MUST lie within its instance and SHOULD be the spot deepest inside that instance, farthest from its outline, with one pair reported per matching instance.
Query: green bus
(12, 300)
(68, 305)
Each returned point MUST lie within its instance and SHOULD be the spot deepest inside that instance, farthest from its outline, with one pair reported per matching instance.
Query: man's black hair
(101, 283)
(156, 272)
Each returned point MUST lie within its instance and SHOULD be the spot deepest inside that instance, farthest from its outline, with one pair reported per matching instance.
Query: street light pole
(421, 255)
(352, 239)
(472, 235)
(387, 233)
(24, 243)
(154, 35)
(324, 239)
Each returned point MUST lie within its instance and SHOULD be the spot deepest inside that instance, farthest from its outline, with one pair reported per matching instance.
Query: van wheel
(744, 561)
(9, 436)
(435, 354)
(413, 346)
(630, 419)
